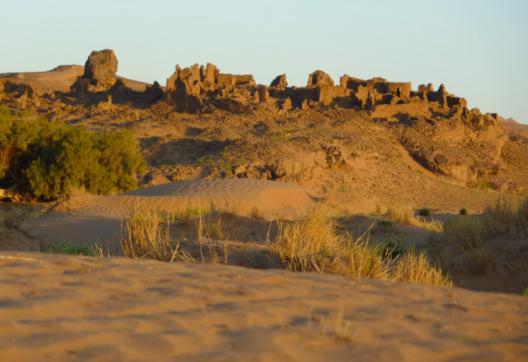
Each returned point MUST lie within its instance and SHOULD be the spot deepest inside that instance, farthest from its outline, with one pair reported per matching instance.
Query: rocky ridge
(435, 127)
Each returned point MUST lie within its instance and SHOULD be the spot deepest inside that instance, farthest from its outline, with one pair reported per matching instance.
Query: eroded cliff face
(435, 127)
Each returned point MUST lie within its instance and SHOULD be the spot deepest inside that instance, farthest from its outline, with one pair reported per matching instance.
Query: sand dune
(65, 308)
(91, 218)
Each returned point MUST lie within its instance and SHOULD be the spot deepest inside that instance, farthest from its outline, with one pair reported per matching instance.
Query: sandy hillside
(63, 308)
(90, 218)
(59, 79)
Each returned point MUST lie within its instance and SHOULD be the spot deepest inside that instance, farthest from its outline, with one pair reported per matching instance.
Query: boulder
(99, 72)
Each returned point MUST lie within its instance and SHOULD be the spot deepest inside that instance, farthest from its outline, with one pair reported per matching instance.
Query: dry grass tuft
(463, 244)
(509, 216)
(466, 233)
(146, 235)
(407, 216)
(415, 268)
(312, 244)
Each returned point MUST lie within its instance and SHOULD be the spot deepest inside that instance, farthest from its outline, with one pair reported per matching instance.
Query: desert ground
(364, 220)
(68, 308)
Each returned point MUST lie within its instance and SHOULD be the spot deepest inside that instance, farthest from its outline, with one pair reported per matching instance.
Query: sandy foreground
(68, 308)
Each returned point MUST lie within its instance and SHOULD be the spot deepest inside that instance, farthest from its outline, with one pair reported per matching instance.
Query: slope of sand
(59, 79)
(66, 308)
(90, 218)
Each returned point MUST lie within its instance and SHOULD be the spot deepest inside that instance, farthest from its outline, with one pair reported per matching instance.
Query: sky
(477, 48)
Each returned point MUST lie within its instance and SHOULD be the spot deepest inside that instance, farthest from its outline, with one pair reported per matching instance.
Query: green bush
(50, 160)
(70, 248)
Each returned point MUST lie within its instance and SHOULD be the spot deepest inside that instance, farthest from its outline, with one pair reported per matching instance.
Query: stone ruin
(204, 88)
(382, 98)
(197, 87)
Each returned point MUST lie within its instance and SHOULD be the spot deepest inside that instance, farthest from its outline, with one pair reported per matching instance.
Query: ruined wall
(319, 79)
(385, 99)
(414, 109)
(399, 89)
(231, 80)
(353, 83)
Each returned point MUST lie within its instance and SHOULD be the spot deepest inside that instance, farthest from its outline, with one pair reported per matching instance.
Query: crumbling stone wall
(385, 99)
(280, 82)
(319, 79)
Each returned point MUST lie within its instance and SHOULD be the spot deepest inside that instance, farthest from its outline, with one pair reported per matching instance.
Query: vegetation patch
(48, 160)
(69, 248)
(312, 244)
(407, 216)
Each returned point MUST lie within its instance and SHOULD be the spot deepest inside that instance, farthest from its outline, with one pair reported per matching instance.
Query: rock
(101, 67)
(280, 82)
(319, 79)
(99, 73)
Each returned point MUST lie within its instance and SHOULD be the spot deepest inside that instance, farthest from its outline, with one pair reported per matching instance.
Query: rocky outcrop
(21, 94)
(437, 145)
(99, 72)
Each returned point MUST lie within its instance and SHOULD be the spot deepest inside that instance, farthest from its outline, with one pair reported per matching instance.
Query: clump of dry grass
(146, 235)
(407, 216)
(509, 216)
(312, 244)
(217, 226)
(417, 268)
(463, 244)
(466, 233)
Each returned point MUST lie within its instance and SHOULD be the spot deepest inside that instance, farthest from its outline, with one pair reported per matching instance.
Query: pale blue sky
(477, 48)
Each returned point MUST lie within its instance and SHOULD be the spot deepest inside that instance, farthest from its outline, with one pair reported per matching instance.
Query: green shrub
(463, 212)
(48, 160)
(69, 248)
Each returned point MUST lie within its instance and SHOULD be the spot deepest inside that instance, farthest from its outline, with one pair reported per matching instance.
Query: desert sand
(92, 218)
(64, 308)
